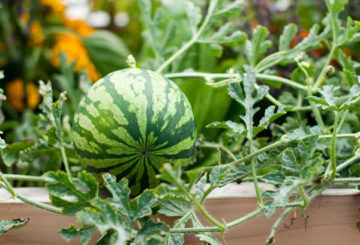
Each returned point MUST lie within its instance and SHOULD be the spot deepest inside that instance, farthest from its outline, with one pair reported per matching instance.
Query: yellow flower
(72, 46)
(15, 94)
(36, 35)
(79, 26)
(56, 6)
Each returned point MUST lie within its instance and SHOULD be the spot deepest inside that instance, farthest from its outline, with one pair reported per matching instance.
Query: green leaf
(331, 101)
(313, 39)
(11, 152)
(221, 176)
(336, 6)
(303, 133)
(107, 51)
(51, 111)
(235, 127)
(142, 205)
(6, 225)
(151, 233)
(177, 238)
(64, 193)
(289, 161)
(281, 196)
(225, 35)
(233, 9)
(256, 48)
(174, 208)
(276, 178)
(105, 218)
(248, 96)
(84, 233)
(120, 194)
(207, 237)
(286, 37)
(269, 116)
(194, 15)
(351, 33)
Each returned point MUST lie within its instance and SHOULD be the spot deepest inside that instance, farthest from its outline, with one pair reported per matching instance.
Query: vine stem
(227, 75)
(347, 180)
(282, 141)
(333, 148)
(192, 41)
(11, 190)
(197, 204)
(349, 162)
(270, 238)
(66, 163)
(322, 75)
(24, 177)
(344, 116)
(215, 145)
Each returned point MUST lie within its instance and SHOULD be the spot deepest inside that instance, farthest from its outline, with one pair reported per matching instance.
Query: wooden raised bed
(331, 219)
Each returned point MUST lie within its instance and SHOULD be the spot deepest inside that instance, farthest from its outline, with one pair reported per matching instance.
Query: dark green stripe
(132, 127)
(103, 128)
(181, 155)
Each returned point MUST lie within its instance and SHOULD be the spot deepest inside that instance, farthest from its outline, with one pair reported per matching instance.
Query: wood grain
(331, 220)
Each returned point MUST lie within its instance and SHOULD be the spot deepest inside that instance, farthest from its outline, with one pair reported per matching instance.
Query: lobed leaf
(84, 233)
(256, 48)
(64, 193)
(287, 36)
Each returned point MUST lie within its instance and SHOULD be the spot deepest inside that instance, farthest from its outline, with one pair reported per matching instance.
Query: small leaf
(120, 193)
(286, 37)
(84, 233)
(194, 15)
(313, 39)
(247, 97)
(235, 127)
(230, 10)
(276, 178)
(151, 233)
(256, 48)
(207, 237)
(6, 225)
(336, 6)
(11, 153)
(142, 205)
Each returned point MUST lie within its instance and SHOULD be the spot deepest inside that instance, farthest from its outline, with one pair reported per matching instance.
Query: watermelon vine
(130, 153)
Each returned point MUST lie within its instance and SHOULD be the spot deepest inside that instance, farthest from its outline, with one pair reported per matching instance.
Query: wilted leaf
(6, 225)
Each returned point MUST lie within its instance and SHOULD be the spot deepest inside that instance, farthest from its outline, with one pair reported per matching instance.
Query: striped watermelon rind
(130, 123)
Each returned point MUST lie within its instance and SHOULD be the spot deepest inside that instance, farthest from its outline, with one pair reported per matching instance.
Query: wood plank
(331, 221)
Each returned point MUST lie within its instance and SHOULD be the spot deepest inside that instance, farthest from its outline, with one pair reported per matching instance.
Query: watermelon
(130, 123)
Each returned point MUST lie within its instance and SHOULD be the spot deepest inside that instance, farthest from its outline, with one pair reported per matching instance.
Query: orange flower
(79, 26)
(298, 37)
(15, 94)
(75, 51)
(36, 35)
(56, 6)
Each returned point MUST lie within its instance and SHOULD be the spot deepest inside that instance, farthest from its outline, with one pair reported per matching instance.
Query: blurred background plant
(73, 43)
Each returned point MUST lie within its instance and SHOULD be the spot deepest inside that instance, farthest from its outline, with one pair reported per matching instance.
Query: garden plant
(203, 105)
